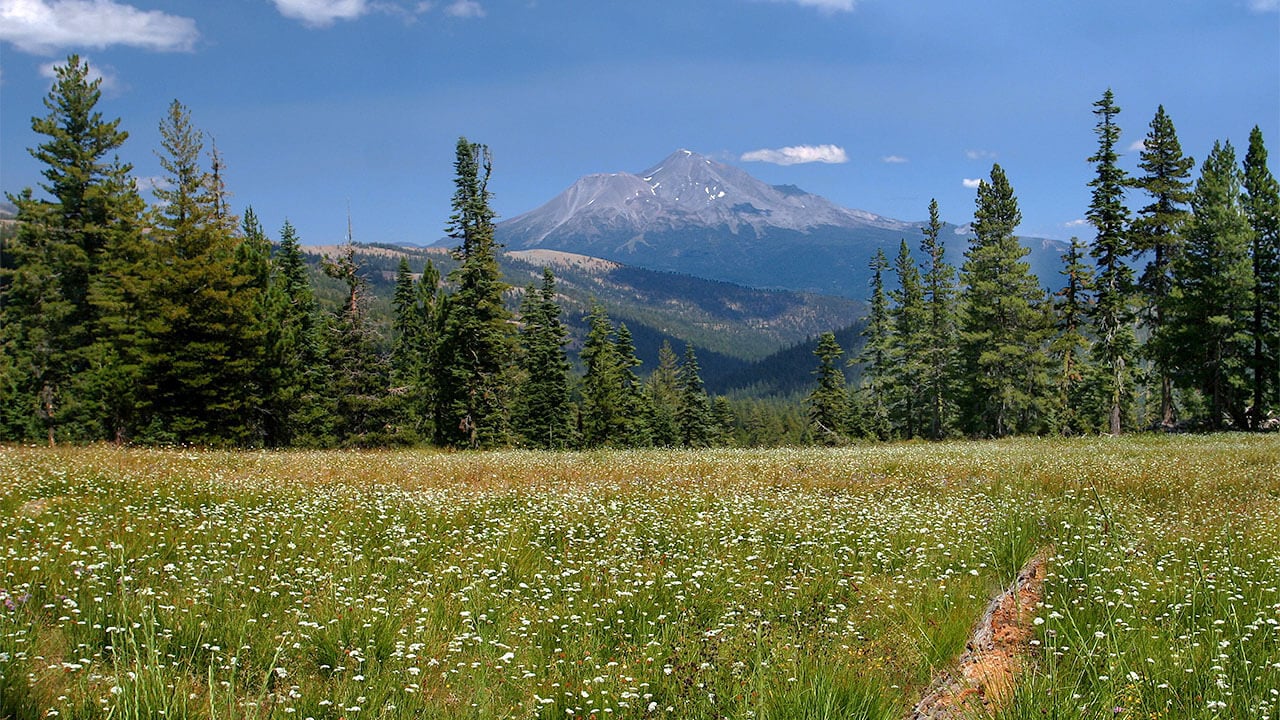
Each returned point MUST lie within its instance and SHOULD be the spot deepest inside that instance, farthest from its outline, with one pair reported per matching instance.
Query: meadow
(781, 583)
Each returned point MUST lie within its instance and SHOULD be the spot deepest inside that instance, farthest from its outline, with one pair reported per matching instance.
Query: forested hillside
(175, 320)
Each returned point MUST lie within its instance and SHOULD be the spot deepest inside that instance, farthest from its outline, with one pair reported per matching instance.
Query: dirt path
(994, 656)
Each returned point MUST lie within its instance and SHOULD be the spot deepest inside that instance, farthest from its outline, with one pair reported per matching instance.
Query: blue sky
(318, 105)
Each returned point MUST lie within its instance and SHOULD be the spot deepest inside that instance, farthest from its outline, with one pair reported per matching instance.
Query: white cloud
(1137, 146)
(894, 159)
(321, 13)
(464, 9)
(979, 154)
(1262, 6)
(831, 6)
(971, 183)
(1078, 222)
(107, 74)
(798, 154)
(45, 26)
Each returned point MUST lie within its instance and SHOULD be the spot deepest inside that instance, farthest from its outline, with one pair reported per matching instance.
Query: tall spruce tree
(1262, 208)
(662, 395)
(543, 414)
(198, 369)
(604, 395)
(1002, 328)
(363, 411)
(908, 368)
(1157, 233)
(476, 342)
(938, 287)
(697, 425)
(829, 401)
(1070, 348)
(297, 405)
(874, 359)
(637, 411)
(1114, 340)
(1212, 298)
(50, 320)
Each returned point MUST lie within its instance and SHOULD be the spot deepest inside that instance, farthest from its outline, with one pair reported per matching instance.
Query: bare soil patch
(997, 652)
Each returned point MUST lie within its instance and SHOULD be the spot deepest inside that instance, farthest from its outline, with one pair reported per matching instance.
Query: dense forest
(179, 322)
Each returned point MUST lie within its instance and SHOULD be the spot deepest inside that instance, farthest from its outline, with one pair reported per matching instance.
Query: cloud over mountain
(798, 154)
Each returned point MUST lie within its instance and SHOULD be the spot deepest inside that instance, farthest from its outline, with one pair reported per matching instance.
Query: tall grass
(726, 584)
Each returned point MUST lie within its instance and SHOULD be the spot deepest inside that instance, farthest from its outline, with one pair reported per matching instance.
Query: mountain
(691, 214)
(730, 325)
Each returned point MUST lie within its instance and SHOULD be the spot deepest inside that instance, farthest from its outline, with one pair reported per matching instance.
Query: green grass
(723, 584)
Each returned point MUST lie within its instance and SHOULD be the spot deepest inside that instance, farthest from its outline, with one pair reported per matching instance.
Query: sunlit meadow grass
(727, 584)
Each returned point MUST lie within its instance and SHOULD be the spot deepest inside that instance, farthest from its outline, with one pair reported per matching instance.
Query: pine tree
(1070, 347)
(1262, 207)
(1115, 343)
(1157, 230)
(47, 311)
(543, 414)
(938, 352)
(829, 401)
(908, 370)
(359, 376)
(1212, 297)
(298, 410)
(874, 359)
(662, 394)
(198, 367)
(604, 404)
(697, 427)
(1002, 329)
(476, 341)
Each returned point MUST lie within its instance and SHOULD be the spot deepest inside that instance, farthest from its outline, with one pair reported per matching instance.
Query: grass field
(802, 583)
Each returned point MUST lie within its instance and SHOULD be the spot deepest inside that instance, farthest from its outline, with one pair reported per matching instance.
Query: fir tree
(543, 414)
(938, 287)
(198, 367)
(1070, 347)
(697, 427)
(662, 394)
(359, 378)
(1212, 296)
(1115, 343)
(829, 401)
(604, 403)
(1262, 208)
(874, 359)
(298, 411)
(636, 410)
(725, 422)
(1002, 329)
(1157, 230)
(476, 340)
(908, 370)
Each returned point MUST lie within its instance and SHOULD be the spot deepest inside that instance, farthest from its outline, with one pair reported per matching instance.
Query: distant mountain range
(693, 215)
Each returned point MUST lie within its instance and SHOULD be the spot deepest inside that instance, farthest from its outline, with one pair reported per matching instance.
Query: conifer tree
(48, 318)
(1262, 208)
(938, 288)
(697, 426)
(405, 364)
(298, 410)
(907, 368)
(725, 421)
(876, 380)
(1157, 231)
(476, 342)
(604, 403)
(636, 407)
(1212, 297)
(1070, 347)
(1114, 345)
(662, 394)
(829, 402)
(198, 368)
(543, 414)
(359, 377)
(1002, 329)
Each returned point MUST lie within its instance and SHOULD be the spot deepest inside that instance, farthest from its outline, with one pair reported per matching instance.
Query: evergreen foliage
(1115, 343)
(694, 417)
(874, 359)
(1262, 208)
(829, 401)
(543, 415)
(908, 371)
(1003, 365)
(938, 344)
(1074, 407)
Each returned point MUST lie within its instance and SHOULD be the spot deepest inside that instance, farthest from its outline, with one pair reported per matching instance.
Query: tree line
(1193, 339)
(179, 322)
